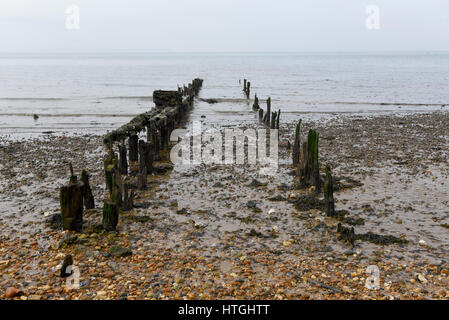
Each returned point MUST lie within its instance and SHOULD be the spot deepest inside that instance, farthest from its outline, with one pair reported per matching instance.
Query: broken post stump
(149, 157)
(268, 114)
(142, 176)
(248, 90)
(277, 119)
(128, 197)
(296, 152)
(110, 216)
(273, 120)
(71, 201)
(329, 193)
(133, 149)
(260, 114)
(256, 102)
(311, 167)
(123, 164)
(89, 202)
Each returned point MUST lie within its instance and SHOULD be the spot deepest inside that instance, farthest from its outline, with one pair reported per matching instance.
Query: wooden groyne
(270, 119)
(129, 157)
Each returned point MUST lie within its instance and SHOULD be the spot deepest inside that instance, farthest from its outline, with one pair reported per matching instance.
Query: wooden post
(89, 202)
(71, 202)
(296, 152)
(260, 114)
(268, 114)
(277, 119)
(110, 216)
(156, 145)
(244, 85)
(256, 102)
(142, 176)
(128, 197)
(123, 164)
(273, 120)
(149, 157)
(329, 193)
(248, 89)
(312, 175)
(133, 149)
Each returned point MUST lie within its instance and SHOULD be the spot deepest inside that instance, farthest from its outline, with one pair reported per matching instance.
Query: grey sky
(223, 25)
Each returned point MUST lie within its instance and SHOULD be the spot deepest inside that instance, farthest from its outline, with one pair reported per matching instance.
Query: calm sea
(97, 92)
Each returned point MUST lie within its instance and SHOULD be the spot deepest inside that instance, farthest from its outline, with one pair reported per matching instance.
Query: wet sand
(207, 232)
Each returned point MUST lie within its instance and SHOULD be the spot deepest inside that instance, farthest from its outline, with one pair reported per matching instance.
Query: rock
(422, 242)
(277, 198)
(118, 251)
(66, 240)
(272, 211)
(183, 211)
(252, 205)
(12, 292)
(421, 278)
(54, 221)
(163, 167)
(68, 261)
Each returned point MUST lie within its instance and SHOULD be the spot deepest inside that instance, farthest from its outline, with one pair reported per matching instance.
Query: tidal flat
(227, 232)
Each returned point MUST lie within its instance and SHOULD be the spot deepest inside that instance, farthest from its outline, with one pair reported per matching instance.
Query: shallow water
(95, 93)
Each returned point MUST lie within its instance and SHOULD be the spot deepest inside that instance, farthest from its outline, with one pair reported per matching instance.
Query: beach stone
(118, 251)
(54, 221)
(68, 261)
(66, 240)
(12, 292)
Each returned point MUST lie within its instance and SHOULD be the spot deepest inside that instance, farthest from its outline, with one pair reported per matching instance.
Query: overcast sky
(223, 25)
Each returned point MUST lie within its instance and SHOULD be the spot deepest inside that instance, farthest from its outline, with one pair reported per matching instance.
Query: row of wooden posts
(305, 156)
(270, 119)
(128, 159)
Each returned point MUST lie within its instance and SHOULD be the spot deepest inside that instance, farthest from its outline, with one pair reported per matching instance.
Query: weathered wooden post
(260, 114)
(123, 164)
(277, 119)
(149, 157)
(312, 175)
(142, 176)
(128, 197)
(256, 102)
(248, 89)
(89, 202)
(268, 114)
(244, 85)
(133, 149)
(273, 120)
(71, 202)
(296, 152)
(110, 215)
(329, 193)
